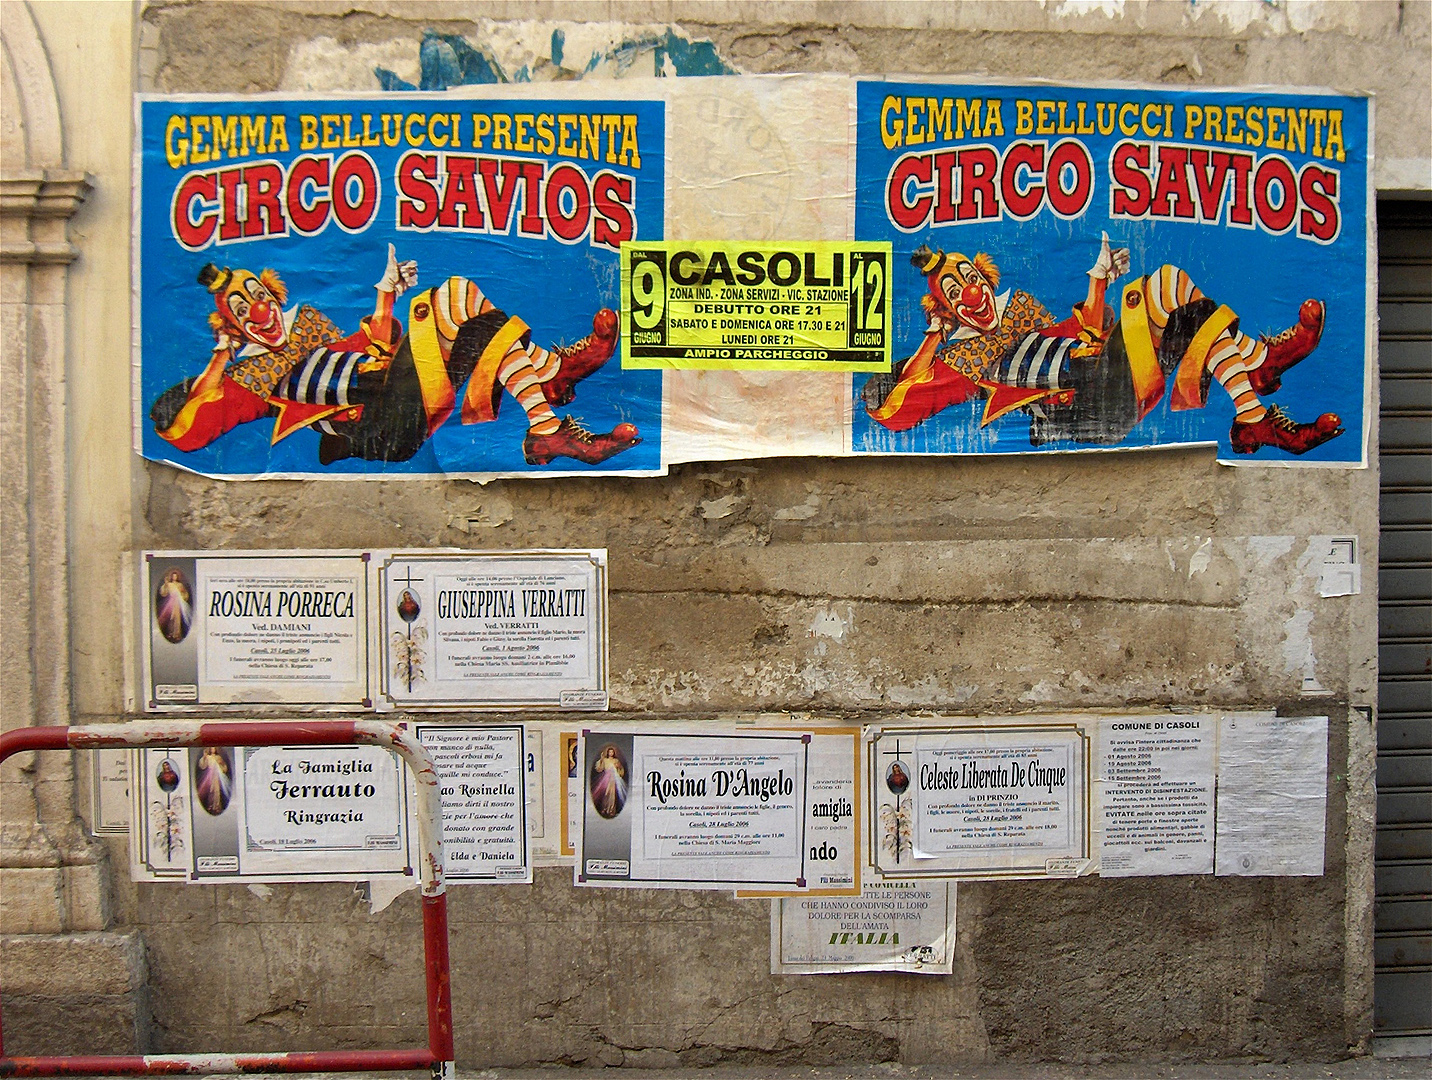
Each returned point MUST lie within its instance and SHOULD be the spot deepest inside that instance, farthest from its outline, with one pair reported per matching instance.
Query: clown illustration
(1094, 376)
(378, 394)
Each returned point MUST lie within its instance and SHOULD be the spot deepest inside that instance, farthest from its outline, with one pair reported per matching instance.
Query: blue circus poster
(1084, 267)
(415, 283)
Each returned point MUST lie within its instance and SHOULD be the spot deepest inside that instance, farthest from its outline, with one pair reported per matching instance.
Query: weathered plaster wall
(860, 588)
(1142, 579)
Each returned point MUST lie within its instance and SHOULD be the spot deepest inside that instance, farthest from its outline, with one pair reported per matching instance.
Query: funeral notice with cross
(511, 629)
(974, 801)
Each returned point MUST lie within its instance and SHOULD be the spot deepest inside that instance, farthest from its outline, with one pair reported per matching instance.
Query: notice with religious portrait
(297, 813)
(981, 801)
(695, 810)
(247, 628)
(571, 784)
(492, 630)
(160, 838)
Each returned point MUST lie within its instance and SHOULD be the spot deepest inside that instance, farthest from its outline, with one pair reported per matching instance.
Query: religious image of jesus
(214, 780)
(173, 607)
(609, 782)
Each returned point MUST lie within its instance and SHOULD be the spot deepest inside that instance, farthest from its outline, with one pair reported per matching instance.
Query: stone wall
(61, 254)
(864, 589)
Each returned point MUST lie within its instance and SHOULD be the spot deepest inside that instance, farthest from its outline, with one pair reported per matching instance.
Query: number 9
(648, 294)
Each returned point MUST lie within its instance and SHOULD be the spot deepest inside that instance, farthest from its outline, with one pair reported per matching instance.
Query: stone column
(69, 984)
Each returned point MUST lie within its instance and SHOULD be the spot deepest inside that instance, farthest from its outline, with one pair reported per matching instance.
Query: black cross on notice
(407, 579)
(897, 754)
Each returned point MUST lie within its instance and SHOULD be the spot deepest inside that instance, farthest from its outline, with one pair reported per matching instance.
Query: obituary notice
(297, 813)
(832, 823)
(494, 630)
(109, 792)
(233, 628)
(483, 774)
(1156, 795)
(892, 926)
(981, 801)
(697, 810)
(160, 790)
(571, 775)
(1272, 795)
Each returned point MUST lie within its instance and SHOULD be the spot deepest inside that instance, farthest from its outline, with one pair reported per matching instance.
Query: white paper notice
(159, 836)
(571, 772)
(895, 926)
(483, 772)
(493, 630)
(703, 806)
(534, 771)
(1156, 777)
(997, 799)
(1339, 574)
(698, 810)
(1272, 795)
(264, 626)
(228, 628)
(297, 813)
(999, 794)
(980, 801)
(110, 779)
(832, 826)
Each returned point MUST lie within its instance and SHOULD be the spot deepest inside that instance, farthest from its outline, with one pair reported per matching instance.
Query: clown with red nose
(379, 393)
(1093, 376)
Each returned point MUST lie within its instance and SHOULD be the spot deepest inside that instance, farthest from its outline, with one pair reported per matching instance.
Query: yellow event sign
(821, 306)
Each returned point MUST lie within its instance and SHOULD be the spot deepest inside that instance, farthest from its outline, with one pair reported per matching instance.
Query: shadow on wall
(450, 60)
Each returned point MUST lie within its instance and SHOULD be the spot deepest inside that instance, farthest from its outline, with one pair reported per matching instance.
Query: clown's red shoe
(1282, 431)
(572, 440)
(1289, 347)
(575, 362)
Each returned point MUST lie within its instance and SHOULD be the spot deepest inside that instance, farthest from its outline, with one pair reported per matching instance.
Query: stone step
(79, 993)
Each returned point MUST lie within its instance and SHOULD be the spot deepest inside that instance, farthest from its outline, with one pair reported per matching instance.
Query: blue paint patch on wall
(448, 60)
(691, 57)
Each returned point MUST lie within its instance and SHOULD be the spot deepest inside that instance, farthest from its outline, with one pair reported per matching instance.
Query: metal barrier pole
(439, 1053)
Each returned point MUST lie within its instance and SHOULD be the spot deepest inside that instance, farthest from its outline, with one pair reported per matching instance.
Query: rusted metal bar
(211, 1064)
(439, 1054)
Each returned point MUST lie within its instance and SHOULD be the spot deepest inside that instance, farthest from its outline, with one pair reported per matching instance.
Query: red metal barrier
(439, 1053)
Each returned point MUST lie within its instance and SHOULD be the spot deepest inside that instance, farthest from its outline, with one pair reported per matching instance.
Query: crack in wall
(928, 604)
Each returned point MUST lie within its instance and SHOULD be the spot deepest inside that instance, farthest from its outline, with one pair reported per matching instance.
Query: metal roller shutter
(1404, 730)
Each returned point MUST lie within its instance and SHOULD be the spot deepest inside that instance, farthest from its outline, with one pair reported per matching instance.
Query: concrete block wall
(861, 589)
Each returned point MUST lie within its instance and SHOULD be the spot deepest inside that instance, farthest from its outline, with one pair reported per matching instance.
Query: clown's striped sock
(1229, 360)
(459, 299)
(517, 375)
(454, 302)
(544, 363)
(1168, 288)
